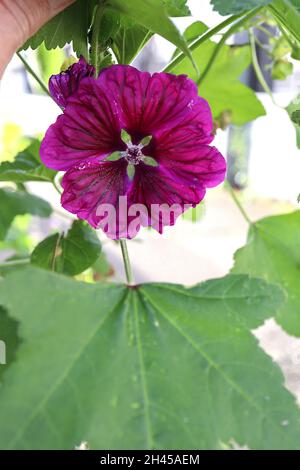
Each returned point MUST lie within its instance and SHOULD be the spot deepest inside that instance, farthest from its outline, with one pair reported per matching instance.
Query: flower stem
(257, 68)
(56, 185)
(96, 46)
(15, 262)
(265, 31)
(265, 48)
(212, 32)
(238, 204)
(289, 39)
(33, 74)
(234, 28)
(126, 260)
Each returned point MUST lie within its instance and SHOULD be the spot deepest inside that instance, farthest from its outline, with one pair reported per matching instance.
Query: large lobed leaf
(155, 366)
(273, 252)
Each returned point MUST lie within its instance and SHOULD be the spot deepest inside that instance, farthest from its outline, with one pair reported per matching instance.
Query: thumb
(21, 19)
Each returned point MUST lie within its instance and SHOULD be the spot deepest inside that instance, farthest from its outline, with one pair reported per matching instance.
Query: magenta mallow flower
(137, 143)
(63, 85)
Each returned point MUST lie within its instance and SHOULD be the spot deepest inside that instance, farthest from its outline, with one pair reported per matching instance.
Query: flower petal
(154, 105)
(93, 189)
(162, 107)
(165, 195)
(64, 84)
(199, 164)
(89, 129)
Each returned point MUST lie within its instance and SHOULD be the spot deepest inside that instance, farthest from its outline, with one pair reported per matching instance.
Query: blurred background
(263, 165)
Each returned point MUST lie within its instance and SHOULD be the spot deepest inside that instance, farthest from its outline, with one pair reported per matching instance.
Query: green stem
(234, 28)
(56, 251)
(265, 31)
(56, 186)
(290, 40)
(15, 262)
(257, 68)
(96, 46)
(33, 74)
(194, 45)
(126, 260)
(287, 15)
(264, 47)
(238, 204)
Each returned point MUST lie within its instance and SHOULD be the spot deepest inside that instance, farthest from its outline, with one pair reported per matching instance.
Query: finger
(21, 19)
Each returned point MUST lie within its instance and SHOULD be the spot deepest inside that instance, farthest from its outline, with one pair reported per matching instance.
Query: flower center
(133, 154)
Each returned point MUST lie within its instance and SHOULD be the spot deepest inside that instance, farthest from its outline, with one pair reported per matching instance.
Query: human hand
(20, 19)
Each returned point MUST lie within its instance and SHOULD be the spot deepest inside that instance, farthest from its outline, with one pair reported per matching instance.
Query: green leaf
(155, 366)
(228, 7)
(295, 3)
(226, 94)
(129, 40)
(282, 69)
(192, 32)
(15, 203)
(293, 110)
(9, 341)
(50, 61)
(152, 15)
(72, 24)
(71, 254)
(272, 252)
(287, 14)
(27, 166)
(177, 7)
(296, 117)
(281, 49)
(109, 26)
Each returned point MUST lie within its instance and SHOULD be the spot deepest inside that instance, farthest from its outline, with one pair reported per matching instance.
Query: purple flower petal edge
(65, 84)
